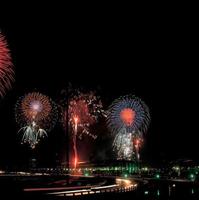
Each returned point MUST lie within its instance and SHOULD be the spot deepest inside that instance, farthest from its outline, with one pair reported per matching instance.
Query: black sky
(153, 58)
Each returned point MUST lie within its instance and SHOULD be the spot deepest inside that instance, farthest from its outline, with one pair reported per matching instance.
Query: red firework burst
(6, 67)
(79, 108)
(86, 107)
(128, 116)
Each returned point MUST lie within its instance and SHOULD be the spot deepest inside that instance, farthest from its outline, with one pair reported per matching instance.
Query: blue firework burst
(140, 115)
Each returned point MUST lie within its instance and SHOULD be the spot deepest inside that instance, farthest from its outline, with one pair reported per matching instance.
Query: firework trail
(83, 110)
(128, 119)
(6, 67)
(37, 114)
(75, 142)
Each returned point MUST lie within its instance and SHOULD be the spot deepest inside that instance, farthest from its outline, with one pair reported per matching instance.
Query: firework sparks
(36, 113)
(128, 118)
(6, 67)
(83, 110)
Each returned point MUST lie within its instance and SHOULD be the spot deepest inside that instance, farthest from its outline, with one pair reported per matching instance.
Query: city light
(86, 174)
(125, 175)
(192, 177)
(157, 176)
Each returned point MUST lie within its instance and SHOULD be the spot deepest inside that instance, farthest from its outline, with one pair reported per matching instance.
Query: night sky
(150, 58)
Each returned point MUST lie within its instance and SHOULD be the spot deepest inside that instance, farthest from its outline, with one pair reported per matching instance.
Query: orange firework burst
(36, 106)
(37, 114)
(6, 67)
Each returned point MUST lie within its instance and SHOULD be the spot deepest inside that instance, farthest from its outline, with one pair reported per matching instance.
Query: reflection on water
(125, 182)
(147, 190)
(192, 191)
(168, 190)
(158, 192)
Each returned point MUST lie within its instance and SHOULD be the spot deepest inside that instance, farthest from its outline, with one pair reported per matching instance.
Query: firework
(37, 114)
(86, 107)
(128, 119)
(6, 67)
(83, 110)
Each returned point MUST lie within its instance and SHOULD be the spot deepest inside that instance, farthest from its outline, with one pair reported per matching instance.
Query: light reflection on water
(170, 192)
